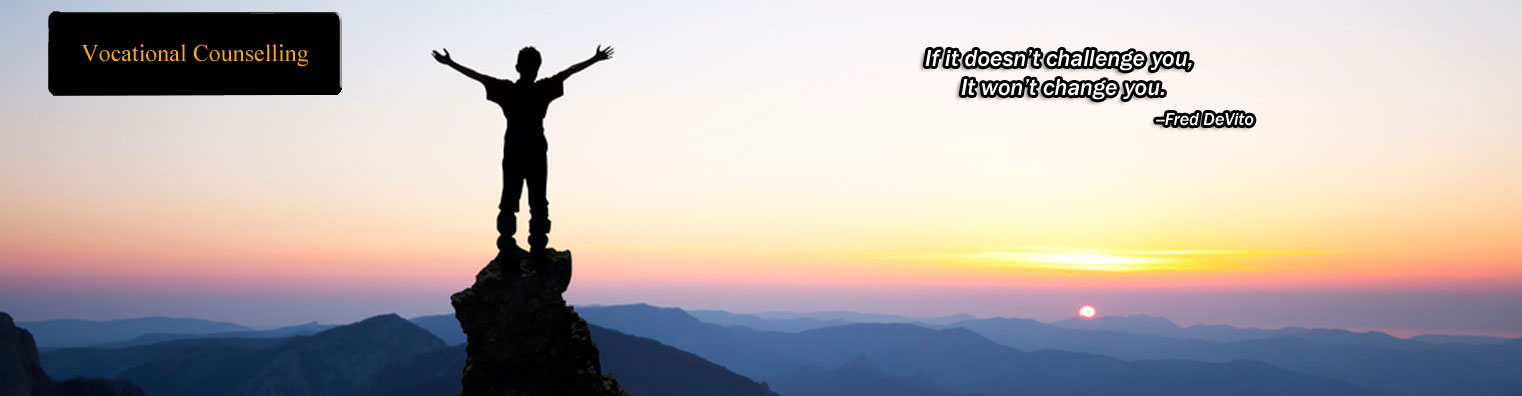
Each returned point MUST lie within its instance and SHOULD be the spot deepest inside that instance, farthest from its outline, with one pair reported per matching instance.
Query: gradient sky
(792, 155)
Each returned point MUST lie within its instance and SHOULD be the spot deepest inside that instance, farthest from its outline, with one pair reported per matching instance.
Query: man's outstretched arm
(602, 54)
(474, 75)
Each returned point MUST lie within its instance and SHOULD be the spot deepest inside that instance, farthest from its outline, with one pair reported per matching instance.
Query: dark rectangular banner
(193, 53)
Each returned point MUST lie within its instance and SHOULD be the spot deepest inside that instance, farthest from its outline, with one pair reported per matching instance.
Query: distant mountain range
(801, 321)
(1428, 365)
(1459, 339)
(446, 327)
(141, 331)
(63, 333)
(859, 376)
(668, 351)
(791, 325)
(957, 360)
(340, 361)
(1151, 325)
(382, 355)
(154, 338)
(1367, 358)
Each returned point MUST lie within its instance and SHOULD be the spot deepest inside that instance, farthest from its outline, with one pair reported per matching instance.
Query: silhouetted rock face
(20, 369)
(522, 337)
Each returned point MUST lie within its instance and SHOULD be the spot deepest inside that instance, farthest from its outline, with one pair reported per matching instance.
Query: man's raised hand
(444, 57)
(603, 53)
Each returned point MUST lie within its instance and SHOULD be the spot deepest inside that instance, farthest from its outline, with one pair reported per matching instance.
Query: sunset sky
(792, 155)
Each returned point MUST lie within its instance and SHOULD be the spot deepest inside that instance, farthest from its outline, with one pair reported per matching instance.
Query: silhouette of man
(524, 103)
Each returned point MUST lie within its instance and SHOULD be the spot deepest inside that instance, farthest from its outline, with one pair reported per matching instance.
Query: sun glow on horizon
(1108, 260)
(1080, 261)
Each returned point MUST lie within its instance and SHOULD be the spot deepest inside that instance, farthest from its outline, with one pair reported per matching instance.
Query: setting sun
(1087, 312)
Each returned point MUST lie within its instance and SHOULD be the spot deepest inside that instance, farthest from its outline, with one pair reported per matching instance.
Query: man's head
(528, 63)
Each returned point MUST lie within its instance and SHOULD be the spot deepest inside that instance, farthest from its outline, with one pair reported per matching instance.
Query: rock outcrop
(522, 338)
(20, 368)
(21, 372)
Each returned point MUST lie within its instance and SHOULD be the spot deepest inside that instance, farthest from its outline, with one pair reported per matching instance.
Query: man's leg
(507, 216)
(535, 171)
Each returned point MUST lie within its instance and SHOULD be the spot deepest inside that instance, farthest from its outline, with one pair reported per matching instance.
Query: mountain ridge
(62, 333)
(277, 366)
(956, 359)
